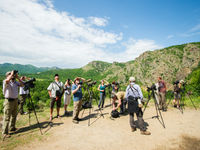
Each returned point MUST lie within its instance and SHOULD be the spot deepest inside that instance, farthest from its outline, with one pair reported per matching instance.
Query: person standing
(10, 92)
(133, 93)
(162, 94)
(55, 90)
(77, 98)
(22, 96)
(67, 95)
(102, 89)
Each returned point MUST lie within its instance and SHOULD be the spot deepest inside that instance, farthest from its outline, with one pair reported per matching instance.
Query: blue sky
(71, 33)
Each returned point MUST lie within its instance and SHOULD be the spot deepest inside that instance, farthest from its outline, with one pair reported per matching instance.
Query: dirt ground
(182, 132)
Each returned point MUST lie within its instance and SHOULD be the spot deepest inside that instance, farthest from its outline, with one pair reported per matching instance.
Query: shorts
(53, 100)
(67, 99)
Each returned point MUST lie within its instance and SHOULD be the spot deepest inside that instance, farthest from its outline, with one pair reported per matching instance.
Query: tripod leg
(149, 97)
(192, 102)
(36, 115)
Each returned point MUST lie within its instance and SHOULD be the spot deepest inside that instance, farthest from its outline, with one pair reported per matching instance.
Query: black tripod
(90, 92)
(151, 93)
(30, 108)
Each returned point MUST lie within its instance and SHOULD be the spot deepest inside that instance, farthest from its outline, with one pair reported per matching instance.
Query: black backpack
(114, 113)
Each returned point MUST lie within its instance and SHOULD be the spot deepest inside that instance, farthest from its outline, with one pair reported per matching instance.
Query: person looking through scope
(177, 93)
(10, 92)
(102, 89)
(67, 95)
(55, 90)
(119, 98)
(133, 93)
(77, 98)
(23, 94)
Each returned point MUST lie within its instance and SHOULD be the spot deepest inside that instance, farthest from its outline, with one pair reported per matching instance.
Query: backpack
(114, 113)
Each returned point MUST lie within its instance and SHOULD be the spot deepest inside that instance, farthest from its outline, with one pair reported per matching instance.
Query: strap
(134, 89)
(57, 85)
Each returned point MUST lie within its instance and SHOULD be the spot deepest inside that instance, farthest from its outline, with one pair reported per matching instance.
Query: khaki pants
(10, 111)
(162, 100)
(22, 100)
(77, 108)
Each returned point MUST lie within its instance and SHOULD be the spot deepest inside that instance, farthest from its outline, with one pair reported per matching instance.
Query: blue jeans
(102, 99)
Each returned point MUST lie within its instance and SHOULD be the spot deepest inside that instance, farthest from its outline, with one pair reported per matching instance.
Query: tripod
(158, 112)
(90, 92)
(32, 107)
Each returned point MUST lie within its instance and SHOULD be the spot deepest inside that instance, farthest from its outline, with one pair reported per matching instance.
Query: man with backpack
(55, 90)
(134, 96)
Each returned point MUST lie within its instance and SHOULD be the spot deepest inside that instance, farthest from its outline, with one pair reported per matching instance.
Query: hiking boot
(78, 119)
(145, 133)
(133, 129)
(13, 129)
(65, 113)
(75, 121)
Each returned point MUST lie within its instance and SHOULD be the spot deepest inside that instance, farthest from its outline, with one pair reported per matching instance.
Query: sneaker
(75, 121)
(145, 133)
(13, 129)
(58, 116)
(133, 129)
(78, 119)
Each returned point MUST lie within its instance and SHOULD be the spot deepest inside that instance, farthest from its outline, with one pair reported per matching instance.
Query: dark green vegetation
(172, 63)
(24, 69)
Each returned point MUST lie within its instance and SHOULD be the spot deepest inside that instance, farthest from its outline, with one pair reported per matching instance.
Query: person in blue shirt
(77, 98)
(102, 89)
(133, 93)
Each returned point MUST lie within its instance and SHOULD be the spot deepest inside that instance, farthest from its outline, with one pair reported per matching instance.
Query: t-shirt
(53, 87)
(162, 86)
(103, 87)
(78, 95)
(10, 90)
(22, 91)
(121, 95)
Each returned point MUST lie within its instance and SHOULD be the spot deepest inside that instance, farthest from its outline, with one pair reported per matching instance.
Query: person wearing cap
(55, 90)
(22, 96)
(102, 90)
(10, 92)
(77, 98)
(120, 98)
(162, 94)
(133, 93)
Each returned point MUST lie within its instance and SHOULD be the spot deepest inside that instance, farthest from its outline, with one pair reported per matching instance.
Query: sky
(72, 33)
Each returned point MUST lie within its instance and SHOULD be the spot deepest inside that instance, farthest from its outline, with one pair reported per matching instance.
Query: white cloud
(33, 32)
(136, 47)
(98, 21)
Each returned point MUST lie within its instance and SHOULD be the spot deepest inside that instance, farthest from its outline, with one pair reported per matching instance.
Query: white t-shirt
(53, 87)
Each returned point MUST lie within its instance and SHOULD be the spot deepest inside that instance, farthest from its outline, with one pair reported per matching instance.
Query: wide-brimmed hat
(77, 78)
(132, 79)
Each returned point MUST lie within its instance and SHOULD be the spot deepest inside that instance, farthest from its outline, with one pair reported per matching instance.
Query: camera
(92, 83)
(153, 87)
(80, 83)
(29, 84)
(15, 72)
(176, 82)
